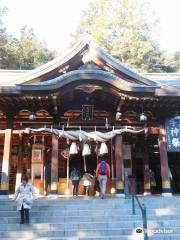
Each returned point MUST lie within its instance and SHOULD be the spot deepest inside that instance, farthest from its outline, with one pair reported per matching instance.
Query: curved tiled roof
(116, 64)
(65, 69)
(76, 53)
(168, 79)
(36, 74)
(8, 76)
(88, 74)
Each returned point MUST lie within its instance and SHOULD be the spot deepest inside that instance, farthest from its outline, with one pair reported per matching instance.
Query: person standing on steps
(24, 195)
(96, 184)
(87, 182)
(103, 172)
(152, 180)
(47, 176)
(75, 177)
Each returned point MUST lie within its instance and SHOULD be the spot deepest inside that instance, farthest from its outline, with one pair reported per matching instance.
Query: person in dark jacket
(47, 175)
(96, 184)
(75, 177)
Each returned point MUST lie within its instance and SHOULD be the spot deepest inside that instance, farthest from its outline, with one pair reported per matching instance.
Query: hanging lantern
(32, 116)
(143, 117)
(73, 148)
(103, 149)
(86, 150)
(118, 116)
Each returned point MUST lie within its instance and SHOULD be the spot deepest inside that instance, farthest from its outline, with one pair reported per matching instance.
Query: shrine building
(86, 106)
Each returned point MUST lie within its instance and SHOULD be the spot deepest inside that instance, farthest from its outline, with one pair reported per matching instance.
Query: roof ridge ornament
(87, 38)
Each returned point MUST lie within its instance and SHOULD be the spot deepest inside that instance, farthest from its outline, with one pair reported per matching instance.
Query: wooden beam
(14, 131)
(153, 130)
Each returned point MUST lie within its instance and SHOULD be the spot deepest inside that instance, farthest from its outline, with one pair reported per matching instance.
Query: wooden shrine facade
(88, 89)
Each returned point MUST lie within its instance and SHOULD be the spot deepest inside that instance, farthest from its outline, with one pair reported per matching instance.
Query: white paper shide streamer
(86, 136)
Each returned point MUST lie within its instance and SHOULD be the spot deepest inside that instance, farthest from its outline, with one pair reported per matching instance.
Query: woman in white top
(24, 195)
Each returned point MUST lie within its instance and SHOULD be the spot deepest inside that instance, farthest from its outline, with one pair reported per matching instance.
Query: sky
(55, 20)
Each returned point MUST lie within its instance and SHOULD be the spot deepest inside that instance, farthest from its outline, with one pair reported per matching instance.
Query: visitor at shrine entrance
(51, 169)
(63, 162)
(48, 163)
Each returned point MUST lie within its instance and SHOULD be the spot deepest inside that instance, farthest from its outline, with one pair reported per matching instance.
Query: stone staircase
(91, 219)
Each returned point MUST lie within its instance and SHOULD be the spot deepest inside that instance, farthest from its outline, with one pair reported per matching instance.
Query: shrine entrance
(78, 162)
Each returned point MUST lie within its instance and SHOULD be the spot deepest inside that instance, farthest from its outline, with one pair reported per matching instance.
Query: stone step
(83, 207)
(68, 233)
(97, 199)
(83, 212)
(159, 237)
(90, 201)
(75, 208)
(66, 226)
(70, 219)
(121, 208)
(150, 201)
(60, 219)
(89, 225)
(128, 210)
(108, 197)
(112, 237)
(85, 233)
(90, 219)
(119, 237)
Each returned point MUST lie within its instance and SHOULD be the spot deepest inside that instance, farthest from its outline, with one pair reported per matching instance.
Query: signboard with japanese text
(36, 155)
(37, 162)
(173, 134)
(87, 112)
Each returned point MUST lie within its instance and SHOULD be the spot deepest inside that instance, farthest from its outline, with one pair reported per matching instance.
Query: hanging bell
(86, 150)
(103, 149)
(73, 148)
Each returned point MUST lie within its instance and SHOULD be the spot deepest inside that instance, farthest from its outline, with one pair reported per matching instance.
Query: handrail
(142, 207)
(137, 199)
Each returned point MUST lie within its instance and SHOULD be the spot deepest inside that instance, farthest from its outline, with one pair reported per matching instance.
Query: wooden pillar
(112, 160)
(54, 164)
(166, 187)
(19, 162)
(4, 188)
(119, 166)
(97, 155)
(147, 186)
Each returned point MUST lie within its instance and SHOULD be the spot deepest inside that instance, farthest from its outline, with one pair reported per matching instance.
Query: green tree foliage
(3, 36)
(171, 62)
(126, 29)
(28, 51)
